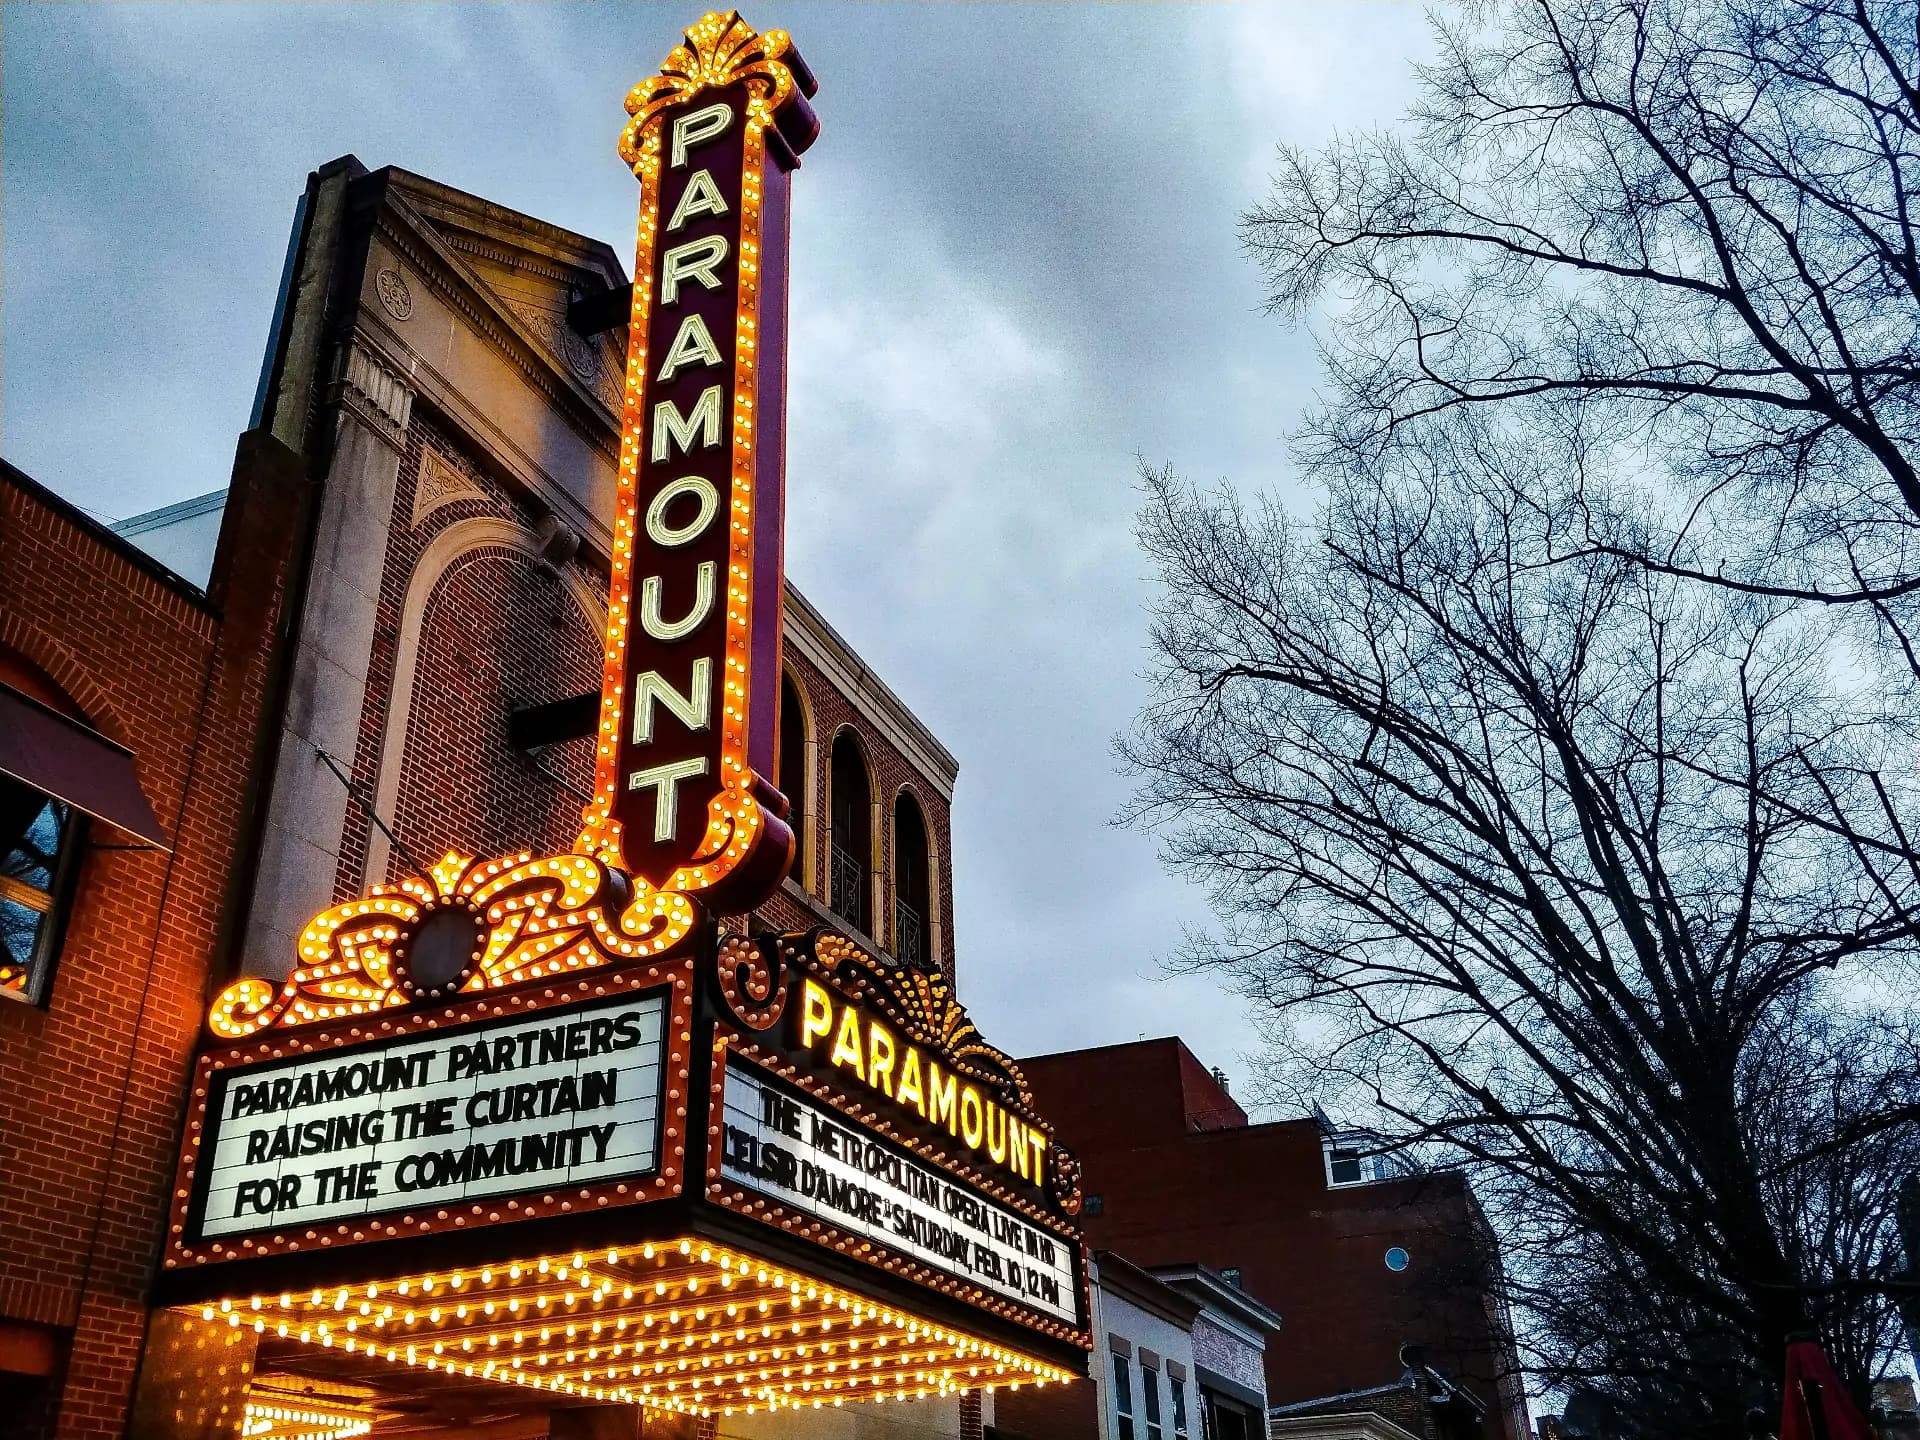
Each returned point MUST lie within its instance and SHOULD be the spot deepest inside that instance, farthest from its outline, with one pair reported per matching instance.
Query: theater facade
(594, 1064)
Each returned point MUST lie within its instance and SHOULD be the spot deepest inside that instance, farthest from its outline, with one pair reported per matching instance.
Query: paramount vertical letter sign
(688, 711)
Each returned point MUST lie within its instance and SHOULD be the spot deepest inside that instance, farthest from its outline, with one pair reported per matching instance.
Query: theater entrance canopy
(746, 1173)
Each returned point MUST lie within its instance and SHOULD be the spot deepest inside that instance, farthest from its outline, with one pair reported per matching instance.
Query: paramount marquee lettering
(489, 1111)
(782, 1145)
(689, 701)
(863, 1047)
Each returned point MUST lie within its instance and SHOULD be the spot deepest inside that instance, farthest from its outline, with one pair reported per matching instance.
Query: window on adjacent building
(1150, 1401)
(1346, 1168)
(793, 772)
(41, 837)
(1225, 1420)
(1123, 1395)
(1353, 1159)
(912, 887)
(1179, 1388)
(852, 832)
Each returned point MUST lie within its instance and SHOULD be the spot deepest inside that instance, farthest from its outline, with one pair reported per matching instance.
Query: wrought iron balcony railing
(909, 935)
(847, 886)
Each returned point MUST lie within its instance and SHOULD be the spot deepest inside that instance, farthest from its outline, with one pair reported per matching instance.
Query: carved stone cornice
(501, 255)
(374, 390)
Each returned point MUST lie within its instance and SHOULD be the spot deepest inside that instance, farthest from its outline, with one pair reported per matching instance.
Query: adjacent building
(1385, 1275)
(1178, 1355)
(130, 703)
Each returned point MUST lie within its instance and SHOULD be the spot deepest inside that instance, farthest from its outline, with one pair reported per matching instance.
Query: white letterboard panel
(502, 1108)
(810, 1158)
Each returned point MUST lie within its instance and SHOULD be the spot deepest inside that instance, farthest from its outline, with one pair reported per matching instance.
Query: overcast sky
(1015, 267)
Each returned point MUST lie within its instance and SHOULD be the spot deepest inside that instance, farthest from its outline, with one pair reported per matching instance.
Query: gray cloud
(1015, 267)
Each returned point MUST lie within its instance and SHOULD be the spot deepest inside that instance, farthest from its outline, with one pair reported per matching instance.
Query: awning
(72, 763)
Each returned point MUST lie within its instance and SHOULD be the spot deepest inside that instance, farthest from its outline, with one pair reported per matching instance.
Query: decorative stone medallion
(394, 294)
(579, 354)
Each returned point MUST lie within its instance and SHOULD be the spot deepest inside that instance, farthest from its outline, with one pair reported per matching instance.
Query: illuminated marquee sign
(863, 1047)
(688, 717)
(854, 1103)
(781, 1144)
(490, 1110)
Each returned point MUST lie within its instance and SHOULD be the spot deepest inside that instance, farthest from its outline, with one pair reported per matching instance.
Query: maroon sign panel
(689, 707)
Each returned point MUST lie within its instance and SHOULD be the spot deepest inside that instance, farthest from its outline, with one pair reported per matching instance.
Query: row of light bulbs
(272, 1420)
(700, 1343)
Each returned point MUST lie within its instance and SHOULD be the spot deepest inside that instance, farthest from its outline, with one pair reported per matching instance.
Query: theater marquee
(542, 1120)
(659, 1156)
(489, 1109)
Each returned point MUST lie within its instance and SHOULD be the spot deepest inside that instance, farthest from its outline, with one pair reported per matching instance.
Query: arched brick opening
(850, 851)
(913, 929)
(499, 630)
(795, 769)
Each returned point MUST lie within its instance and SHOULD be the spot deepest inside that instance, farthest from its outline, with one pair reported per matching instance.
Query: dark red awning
(70, 762)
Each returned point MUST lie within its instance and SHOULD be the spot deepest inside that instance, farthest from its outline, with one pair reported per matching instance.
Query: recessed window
(41, 837)
(1123, 1395)
(1179, 1388)
(1355, 1157)
(1344, 1168)
(1150, 1396)
(912, 885)
(852, 832)
(1398, 1259)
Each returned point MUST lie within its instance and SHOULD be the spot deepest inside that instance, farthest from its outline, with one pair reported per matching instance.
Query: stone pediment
(528, 268)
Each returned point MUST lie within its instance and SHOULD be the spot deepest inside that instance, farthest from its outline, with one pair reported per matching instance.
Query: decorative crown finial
(721, 50)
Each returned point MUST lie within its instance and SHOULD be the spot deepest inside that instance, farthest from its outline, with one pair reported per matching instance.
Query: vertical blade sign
(689, 704)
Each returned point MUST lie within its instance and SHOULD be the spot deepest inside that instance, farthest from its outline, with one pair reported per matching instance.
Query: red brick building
(1383, 1277)
(129, 708)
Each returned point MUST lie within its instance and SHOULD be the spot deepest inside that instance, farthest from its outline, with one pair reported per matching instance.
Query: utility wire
(353, 793)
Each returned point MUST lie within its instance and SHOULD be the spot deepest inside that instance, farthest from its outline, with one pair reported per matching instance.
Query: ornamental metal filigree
(753, 986)
(1063, 1179)
(530, 918)
(722, 50)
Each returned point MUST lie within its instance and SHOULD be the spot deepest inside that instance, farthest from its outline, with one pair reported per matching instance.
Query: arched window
(912, 884)
(852, 832)
(792, 780)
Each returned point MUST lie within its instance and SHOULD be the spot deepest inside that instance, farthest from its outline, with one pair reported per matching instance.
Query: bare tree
(1691, 221)
(1539, 854)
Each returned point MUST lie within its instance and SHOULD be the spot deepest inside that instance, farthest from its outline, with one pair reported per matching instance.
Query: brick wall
(1256, 1198)
(503, 628)
(91, 1086)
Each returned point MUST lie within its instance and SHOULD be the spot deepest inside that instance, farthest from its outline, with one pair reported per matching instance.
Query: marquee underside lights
(269, 1415)
(681, 1325)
